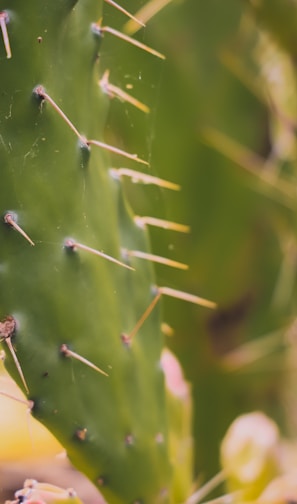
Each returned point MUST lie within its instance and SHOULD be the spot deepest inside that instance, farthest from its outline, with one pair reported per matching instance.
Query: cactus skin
(110, 426)
(12, 365)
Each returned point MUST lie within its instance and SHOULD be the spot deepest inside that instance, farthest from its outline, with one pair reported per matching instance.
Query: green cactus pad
(65, 309)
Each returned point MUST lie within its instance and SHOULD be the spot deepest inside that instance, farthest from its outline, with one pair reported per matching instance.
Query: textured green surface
(242, 244)
(110, 426)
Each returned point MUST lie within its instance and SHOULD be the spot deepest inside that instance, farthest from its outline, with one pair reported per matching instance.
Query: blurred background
(213, 130)
(210, 131)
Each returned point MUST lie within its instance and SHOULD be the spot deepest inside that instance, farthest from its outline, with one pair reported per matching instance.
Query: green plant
(80, 309)
(80, 318)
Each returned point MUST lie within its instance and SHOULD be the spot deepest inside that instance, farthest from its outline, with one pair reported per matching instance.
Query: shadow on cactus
(80, 312)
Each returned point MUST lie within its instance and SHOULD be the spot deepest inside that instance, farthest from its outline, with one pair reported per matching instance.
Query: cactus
(80, 312)
(80, 309)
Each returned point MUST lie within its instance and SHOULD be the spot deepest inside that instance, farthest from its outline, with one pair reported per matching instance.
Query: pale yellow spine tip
(166, 329)
(146, 13)
(144, 178)
(7, 330)
(131, 41)
(115, 150)
(29, 403)
(161, 223)
(127, 13)
(65, 350)
(11, 220)
(185, 296)
(155, 258)
(40, 91)
(71, 244)
(115, 92)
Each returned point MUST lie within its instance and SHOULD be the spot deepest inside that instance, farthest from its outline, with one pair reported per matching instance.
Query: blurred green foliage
(237, 227)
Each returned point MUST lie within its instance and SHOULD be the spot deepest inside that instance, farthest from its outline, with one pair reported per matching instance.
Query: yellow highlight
(149, 10)
(22, 437)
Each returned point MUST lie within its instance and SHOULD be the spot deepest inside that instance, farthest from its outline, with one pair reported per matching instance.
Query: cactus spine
(74, 282)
